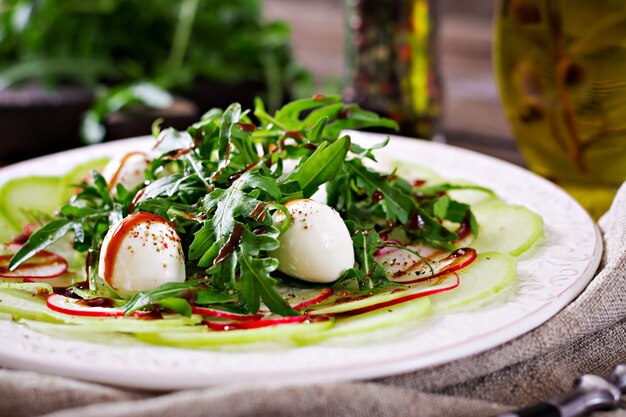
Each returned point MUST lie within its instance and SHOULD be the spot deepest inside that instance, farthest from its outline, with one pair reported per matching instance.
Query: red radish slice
(405, 267)
(64, 280)
(256, 324)
(383, 250)
(363, 304)
(447, 283)
(456, 260)
(301, 298)
(43, 265)
(210, 312)
(324, 294)
(72, 306)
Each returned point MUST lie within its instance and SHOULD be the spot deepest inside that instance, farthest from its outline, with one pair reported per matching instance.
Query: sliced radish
(405, 267)
(301, 298)
(75, 307)
(364, 304)
(455, 261)
(324, 294)
(211, 312)
(256, 324)
(43, 265)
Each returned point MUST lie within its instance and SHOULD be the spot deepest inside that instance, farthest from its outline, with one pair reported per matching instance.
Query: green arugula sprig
(220, 183)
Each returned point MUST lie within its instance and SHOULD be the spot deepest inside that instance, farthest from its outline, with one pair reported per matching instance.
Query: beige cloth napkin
(588, 336)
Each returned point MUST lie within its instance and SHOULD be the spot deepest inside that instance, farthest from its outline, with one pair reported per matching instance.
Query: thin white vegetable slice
(211, 338)
(30, 194)
(119, 325)
(506, 228)
(384, 300)
(372, 321)
(487, 276)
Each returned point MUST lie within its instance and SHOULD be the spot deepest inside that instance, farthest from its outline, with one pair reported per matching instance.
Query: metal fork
(591, 393)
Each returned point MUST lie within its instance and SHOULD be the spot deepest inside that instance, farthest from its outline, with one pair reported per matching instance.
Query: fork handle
(537, 410)
(591, 393)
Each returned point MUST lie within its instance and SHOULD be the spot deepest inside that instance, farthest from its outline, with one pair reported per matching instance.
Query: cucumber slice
(374, 320)
(487, 276)
(411, 171)
(36, 288)
(301, 297)
(7, 229)
(35, 194)
(471, 197)
(402, 295)
(27, 305)
(208, 338)
(79, 174)
(506, 228)
(118, 325)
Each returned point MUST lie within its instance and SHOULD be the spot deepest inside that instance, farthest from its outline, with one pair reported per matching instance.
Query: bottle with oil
(392, 62)
(561, 69)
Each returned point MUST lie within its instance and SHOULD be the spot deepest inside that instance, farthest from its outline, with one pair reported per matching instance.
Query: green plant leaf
(320, 167)
(144, 299)
(41, 239)
(256, 281)
(176, 305)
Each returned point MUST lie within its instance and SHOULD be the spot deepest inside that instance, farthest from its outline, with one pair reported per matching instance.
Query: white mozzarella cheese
(317, 246)
(140, 253)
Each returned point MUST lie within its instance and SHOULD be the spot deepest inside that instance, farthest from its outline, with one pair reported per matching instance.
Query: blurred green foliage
(169, 43)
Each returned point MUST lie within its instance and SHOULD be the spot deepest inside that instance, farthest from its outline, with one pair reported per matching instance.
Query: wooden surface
(473, 116)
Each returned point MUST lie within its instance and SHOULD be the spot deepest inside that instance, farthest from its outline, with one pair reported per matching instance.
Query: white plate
(553, 276)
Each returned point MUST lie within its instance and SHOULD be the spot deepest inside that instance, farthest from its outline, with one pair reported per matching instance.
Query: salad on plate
(252, 228)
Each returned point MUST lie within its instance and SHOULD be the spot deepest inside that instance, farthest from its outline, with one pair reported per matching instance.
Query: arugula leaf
(370, 273)
(357, 118)
(256, 280)
(220, 182)
(176, 305)
(170, 140)
(205, 297)
(396, 204)
(316, 131)
(224, 273)
(41, 239)
(289, 113)
(229, 118)
(223, 207)
(434, 190)
(431, 232)
(146, 298)
(440, 207)
(320, 167)
(330, 113)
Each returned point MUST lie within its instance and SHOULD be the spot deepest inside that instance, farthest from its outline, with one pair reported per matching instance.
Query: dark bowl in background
(207, 95)
(36, 121)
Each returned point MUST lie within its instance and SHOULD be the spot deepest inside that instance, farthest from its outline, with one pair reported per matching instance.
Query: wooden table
(473, 116)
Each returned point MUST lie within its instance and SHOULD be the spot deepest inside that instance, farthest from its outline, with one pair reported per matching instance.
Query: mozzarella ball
(317, 246)
(126, 169)
(140, 253)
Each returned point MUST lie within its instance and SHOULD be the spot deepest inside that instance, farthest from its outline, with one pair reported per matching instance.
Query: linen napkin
(588, 336)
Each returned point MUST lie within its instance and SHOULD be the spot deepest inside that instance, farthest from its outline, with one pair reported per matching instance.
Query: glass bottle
(392, 62)
(561, 69)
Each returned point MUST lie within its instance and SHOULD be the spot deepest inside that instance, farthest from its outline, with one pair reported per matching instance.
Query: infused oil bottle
(561, 70)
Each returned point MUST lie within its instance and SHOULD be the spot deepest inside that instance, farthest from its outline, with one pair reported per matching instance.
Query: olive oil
(561, 69)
